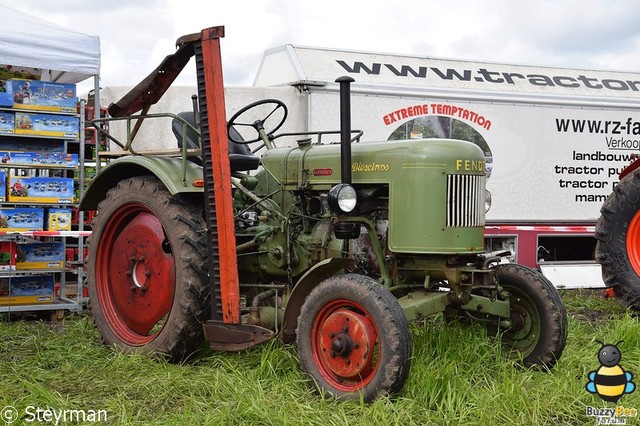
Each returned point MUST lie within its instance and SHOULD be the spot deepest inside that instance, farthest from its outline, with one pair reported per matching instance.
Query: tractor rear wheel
(538, 318)
(146, 270)
(618, 246)
(353, 339)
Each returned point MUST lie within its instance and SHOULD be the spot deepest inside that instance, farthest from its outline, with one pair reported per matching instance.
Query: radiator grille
(465, 201)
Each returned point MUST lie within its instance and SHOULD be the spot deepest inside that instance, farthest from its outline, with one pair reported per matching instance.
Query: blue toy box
(39, 255)
(7, 122)
(31, 144)
(21, 219)
(39, 158)
(42, 95)
(28, 289)
(46, 125)
(40, 190)
(6, 100)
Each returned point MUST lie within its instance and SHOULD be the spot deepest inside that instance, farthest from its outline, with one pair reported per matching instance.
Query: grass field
(458, 377)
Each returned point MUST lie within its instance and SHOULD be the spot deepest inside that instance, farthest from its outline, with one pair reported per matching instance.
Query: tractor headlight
(487, 201)
(342, 198)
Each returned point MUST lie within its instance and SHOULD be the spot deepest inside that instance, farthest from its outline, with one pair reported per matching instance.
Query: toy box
(40, 190)
(64, 126)
(8, 72)
(39, 255)
(31, 144)
(58, 220)
(26, 289)
(7, 255)
(39, 158)
(21, 219)
(7, 124)
(3, 185)
(42, 95)
(6, 100)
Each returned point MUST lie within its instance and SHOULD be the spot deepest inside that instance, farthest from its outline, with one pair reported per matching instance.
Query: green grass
(458, 376)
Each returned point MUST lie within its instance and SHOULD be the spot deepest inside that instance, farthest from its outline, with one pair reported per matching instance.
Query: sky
(135, 35)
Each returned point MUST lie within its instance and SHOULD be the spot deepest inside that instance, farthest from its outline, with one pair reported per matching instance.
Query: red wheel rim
(345, 345)
(135, 274)
(633, 243)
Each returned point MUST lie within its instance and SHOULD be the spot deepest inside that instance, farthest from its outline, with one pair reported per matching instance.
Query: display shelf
(60, 303)
(37, 204)
(43, 137)
(33, 111)
(27, 289)
(35, 271)
(75, 234)
(37, 166)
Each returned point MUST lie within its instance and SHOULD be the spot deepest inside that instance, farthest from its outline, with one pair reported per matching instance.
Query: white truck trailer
(554, 139)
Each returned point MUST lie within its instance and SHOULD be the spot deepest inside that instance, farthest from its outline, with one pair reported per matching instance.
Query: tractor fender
(168, 170)
(319, 272)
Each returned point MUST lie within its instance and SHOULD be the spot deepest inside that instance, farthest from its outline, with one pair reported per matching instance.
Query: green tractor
(334, 246)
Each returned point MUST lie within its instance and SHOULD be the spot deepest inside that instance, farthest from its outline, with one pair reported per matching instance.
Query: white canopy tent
(54, 52)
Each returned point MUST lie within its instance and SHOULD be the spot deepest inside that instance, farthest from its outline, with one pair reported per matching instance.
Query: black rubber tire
(617, 213)
(366, 297)
(181, 331)
(531, 295)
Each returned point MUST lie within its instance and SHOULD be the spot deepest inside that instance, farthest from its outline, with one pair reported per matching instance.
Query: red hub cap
(633, 243)
(135, 274)
(344, 345)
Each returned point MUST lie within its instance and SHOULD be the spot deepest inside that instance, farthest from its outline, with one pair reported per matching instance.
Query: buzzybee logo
(610, 381)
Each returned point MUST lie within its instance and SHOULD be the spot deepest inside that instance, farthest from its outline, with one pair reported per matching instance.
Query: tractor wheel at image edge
(538, 318)
(353, 339)
(618, 241)
(147, 272)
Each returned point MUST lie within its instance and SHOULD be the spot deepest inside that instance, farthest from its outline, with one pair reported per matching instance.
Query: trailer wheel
(538, 330)
(618, 246)
(353, 339)
(146, 270)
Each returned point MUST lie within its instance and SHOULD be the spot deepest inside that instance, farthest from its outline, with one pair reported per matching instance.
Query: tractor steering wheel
(258, 124)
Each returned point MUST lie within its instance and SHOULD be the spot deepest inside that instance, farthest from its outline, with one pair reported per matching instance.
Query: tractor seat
(240, 156)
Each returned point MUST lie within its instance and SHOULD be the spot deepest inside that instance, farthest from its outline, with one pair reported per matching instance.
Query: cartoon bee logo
(610, 381)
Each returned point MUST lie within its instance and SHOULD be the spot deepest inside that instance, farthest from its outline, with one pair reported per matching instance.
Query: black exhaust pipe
(345, 127)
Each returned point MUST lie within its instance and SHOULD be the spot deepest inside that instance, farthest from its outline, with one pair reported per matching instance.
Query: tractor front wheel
(353, 339)
(146, 270)
(618, 246)
(538, 331)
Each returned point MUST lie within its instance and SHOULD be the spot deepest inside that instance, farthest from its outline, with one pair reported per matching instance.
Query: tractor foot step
(234, 337)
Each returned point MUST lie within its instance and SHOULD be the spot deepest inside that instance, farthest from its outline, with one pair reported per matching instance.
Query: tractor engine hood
(318, 166)
(436, 187)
